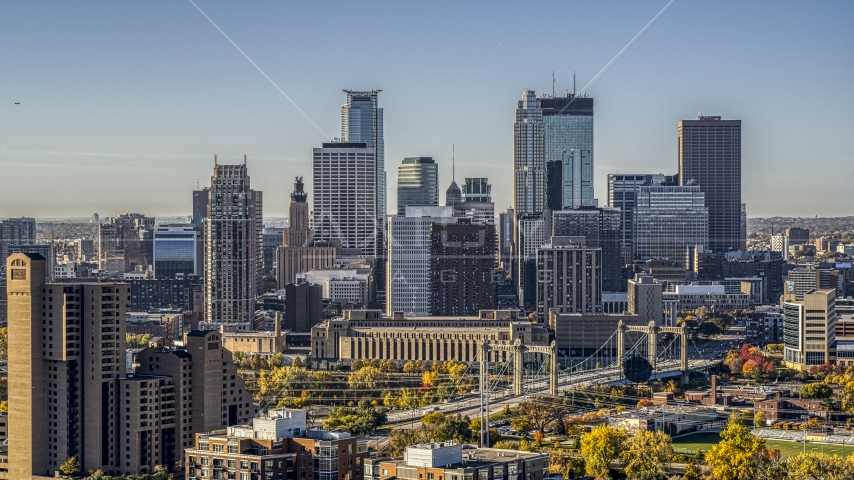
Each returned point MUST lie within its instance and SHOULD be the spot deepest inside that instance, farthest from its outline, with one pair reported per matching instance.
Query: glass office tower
(362, 122)
(177, 250)
(568, 137)
(417, 183)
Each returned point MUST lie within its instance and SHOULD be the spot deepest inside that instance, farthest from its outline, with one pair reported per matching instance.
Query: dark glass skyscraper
(710, 156)
(568, 137)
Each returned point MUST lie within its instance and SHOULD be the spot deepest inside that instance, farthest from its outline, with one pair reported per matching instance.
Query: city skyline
(97, 130)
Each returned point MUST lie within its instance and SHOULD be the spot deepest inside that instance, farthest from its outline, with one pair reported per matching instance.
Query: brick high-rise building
(710, 156)
(233, 247)
(70, 394)
(207, 395)
(68, 350)
(462, 262)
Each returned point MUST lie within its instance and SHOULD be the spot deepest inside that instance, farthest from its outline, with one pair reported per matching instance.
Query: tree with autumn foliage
(600, 447)
(739, 455)
(647, 455)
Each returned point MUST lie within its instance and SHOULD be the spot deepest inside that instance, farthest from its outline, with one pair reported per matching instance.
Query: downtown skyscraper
(417, 183)
(710, 157)
(233, 247)
(529, 182)
(362, 122)
(346, 195)
(568, 138)
(529, 192)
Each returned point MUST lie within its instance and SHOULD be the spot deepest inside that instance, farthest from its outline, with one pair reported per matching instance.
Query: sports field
(704, 441)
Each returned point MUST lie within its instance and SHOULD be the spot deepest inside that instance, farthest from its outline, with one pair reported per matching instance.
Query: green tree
(709, 329)
(137, 341)
(361, 420)
(739, 455)
(276, 360)
(600, 447)
(539, 411)
(646, 455)
(70, 466)
(816, 390)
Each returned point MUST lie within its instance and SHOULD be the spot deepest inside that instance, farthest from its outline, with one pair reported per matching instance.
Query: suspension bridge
(670, 351)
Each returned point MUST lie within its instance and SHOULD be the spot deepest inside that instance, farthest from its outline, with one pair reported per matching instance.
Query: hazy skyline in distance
(124, 105)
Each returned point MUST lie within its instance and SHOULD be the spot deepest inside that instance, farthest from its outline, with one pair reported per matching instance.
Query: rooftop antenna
(214, 160)
(244, 159)
(453, 163)
(573, 84)
(553, 83)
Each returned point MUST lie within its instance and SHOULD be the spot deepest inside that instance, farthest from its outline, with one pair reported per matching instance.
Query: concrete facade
(367, 334)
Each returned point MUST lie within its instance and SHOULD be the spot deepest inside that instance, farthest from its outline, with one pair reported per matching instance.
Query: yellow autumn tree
(647, 454)
(738, 455)
(600, 447)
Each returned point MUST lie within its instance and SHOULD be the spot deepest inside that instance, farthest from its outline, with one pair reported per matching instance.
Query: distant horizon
(279, 217)
(99, 112)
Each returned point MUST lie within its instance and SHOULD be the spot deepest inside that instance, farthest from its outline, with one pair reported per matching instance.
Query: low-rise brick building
(277, 446)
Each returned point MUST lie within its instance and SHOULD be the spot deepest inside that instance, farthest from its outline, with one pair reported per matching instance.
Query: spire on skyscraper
(453, 195)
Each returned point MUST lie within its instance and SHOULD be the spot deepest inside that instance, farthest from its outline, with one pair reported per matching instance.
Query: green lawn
(704, 441)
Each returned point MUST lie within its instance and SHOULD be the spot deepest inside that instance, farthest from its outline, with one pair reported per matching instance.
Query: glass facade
(176, 251)
(669, 221)
(622, 194)
(477, 190)
(568, 137)
(417, 183)
(362, 122)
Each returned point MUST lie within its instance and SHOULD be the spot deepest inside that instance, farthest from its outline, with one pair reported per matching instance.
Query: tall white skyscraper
(345, 196)
(233, 247)
(408, 276)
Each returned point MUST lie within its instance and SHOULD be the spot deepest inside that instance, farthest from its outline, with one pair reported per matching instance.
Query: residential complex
(233, 243)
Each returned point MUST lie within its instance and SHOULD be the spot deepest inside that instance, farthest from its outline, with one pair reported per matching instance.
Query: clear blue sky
(124, 104)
